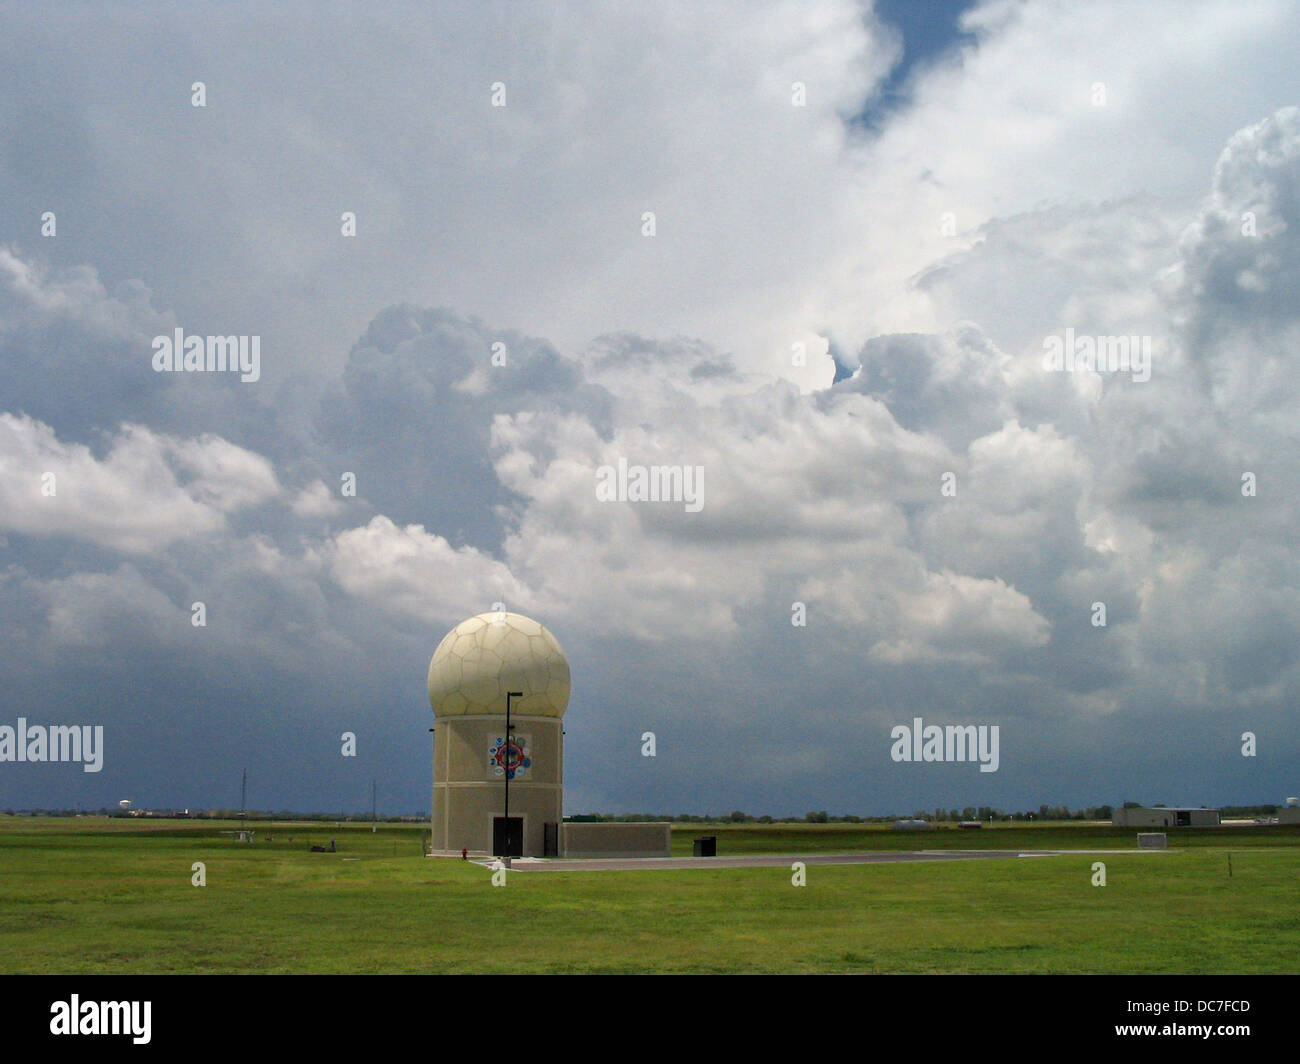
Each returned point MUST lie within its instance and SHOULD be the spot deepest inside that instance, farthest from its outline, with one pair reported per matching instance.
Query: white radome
(483, 658)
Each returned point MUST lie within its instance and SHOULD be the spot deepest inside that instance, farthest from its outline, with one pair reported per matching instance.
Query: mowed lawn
(109, 896)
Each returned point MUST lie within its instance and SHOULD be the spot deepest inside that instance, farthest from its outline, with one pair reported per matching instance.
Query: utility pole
(510, 742)
(243, 791)
(373, 825)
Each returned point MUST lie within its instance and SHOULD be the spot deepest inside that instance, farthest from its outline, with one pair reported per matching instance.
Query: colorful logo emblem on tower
(511, 760)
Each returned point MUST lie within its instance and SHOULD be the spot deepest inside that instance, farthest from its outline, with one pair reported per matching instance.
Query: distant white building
(1170, 817)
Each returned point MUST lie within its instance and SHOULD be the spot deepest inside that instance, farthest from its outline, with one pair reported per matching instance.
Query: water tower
(498, 785)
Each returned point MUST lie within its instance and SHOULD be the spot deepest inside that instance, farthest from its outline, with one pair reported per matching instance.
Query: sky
(821, 251)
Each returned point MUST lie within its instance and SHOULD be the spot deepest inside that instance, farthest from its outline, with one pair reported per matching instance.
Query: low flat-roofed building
(616, 840)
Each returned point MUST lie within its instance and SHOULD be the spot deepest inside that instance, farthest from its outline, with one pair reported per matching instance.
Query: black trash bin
(707, 846)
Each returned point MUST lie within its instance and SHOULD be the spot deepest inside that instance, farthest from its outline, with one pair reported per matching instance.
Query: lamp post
(506, 767)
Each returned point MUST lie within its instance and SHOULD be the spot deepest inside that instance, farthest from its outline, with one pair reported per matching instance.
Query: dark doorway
(1183, 819)
(551, 842)
(508, 836)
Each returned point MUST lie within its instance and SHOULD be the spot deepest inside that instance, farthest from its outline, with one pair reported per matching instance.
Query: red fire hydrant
(464, 853)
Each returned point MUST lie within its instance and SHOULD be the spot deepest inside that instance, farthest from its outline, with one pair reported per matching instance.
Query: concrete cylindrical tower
(476, 665)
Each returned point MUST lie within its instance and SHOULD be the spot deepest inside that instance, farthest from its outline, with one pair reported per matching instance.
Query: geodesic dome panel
(483, 658)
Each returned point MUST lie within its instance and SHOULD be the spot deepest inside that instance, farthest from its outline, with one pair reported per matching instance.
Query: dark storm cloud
(950, 386)
(412, 415)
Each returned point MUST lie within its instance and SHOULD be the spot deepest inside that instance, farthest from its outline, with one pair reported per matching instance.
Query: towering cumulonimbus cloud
(930, 535)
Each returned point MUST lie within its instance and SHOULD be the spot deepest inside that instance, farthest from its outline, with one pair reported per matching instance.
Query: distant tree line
(736, 816)
(821, 816)
(218, 814)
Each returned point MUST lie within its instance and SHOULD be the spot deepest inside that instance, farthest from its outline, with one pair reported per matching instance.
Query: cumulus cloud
(78, 357)
(146, 492)
(418, 574)
(500, 329)
(412, 412)
(99, 609)
(315, 500)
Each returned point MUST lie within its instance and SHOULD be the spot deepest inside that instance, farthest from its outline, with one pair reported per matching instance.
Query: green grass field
(97, 895)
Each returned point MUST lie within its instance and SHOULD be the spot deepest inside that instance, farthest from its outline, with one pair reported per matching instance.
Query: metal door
(508, 836)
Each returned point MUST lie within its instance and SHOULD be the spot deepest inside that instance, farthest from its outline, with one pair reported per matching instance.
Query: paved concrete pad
(651, 864)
